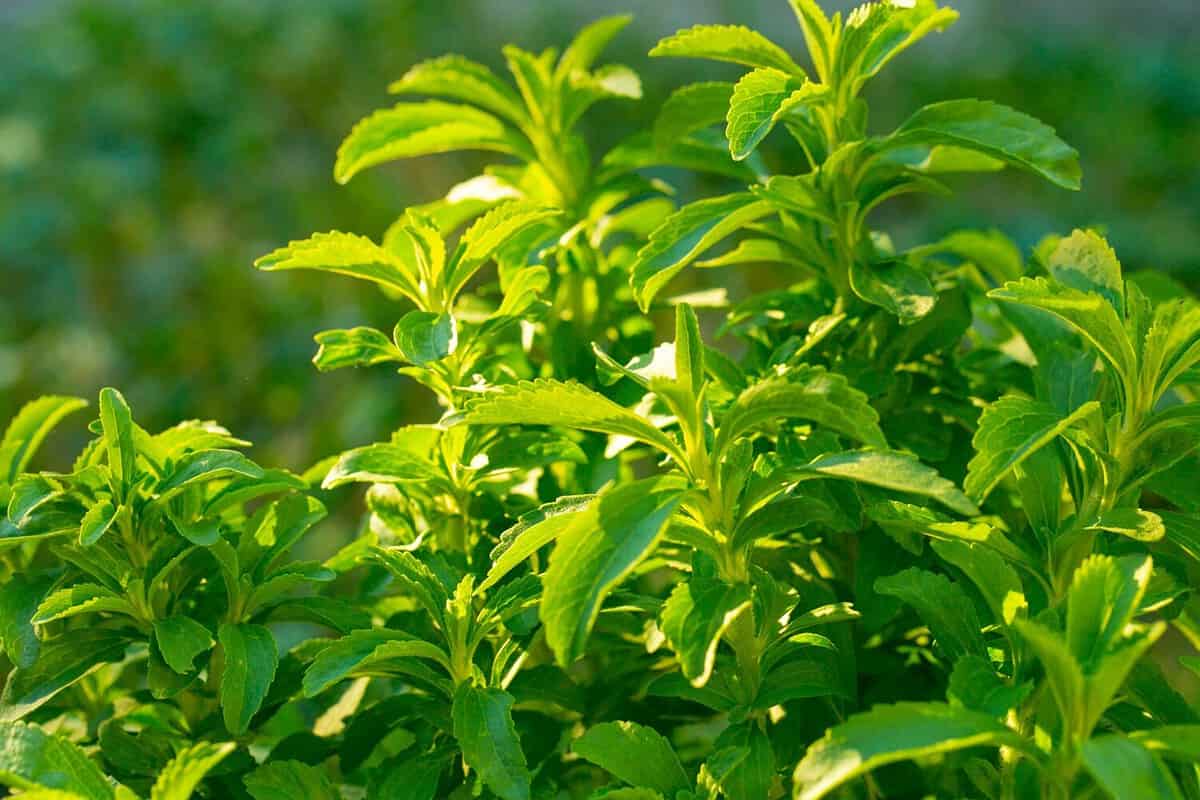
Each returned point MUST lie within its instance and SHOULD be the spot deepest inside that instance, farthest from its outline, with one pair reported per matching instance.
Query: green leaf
(659, 364)
(1084, 261)
(96, 522)
(180, 639)
(523, 449)
(1109, 674)
(689, 109)
(890, 733)
(1126, 768)
(1165, 451)
(412, 778)
(992, 575)
(803, 666)
(819, 35)
(243, 489)
(58, 794)
(280, 527)
(601, 546)
(732, 43)
(713, 771)
(28, 429)
(378, 463)
(194, 434)
(423, 337)
(355, 347)
(1063, 673)
(367, 652)
(635, 754)
(488, 234)
(1040, 484)
(183, 773)
(754, 108)
(117, 424)
(567, 405)
(1010, 431)
(346, 254)
(943, 606)
(686, 235)
(940, 160)
(533, 79)
(1173, 741)
(989, 250)
(31, 758)
(205, 465)
(420, 581)
(250, 659)
(20, 597)
(42, 525)
(590, 42)
(459, 78)
(61, 662)
(484, 729)
(274, 589)
(1182, 530)
(290, 780)
(1142, 526)
(889, 470)
(417, 240)
(1172, 347)
(828, 614)
(1104, 596)
(994, 130)
(689, 350)
(1090, 314)
(531, 533)
(694, 618)
(521, 291)
(752, 777)
(895, 515)
(974, 684)
(331, 612)
(418, 129)
(896, 287)
(717, 695)
(80, 599)
(1148, 687)
(876, 33)
(809, 393)
(754, 251)
(29, 493)
(613, 81)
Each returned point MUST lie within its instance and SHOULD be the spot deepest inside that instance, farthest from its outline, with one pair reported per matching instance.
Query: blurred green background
(151, 149)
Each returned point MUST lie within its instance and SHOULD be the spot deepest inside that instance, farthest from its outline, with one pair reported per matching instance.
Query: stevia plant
(548, 226)
(883, 316)
(144, 580)
(816, 220)
(20, 590)
(636, 572)
(582, 251)
(1077, 579)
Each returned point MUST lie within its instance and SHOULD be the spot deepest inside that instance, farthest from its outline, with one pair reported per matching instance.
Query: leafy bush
(635, 571)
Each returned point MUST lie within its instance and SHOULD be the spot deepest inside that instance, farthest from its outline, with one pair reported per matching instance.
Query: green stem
(1100, 497)
(1021, 720)
(747, 648)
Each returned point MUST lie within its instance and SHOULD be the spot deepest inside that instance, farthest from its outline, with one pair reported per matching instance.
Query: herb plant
(923, 536)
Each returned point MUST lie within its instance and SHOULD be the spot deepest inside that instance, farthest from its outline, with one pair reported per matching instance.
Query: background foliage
(151, 149)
